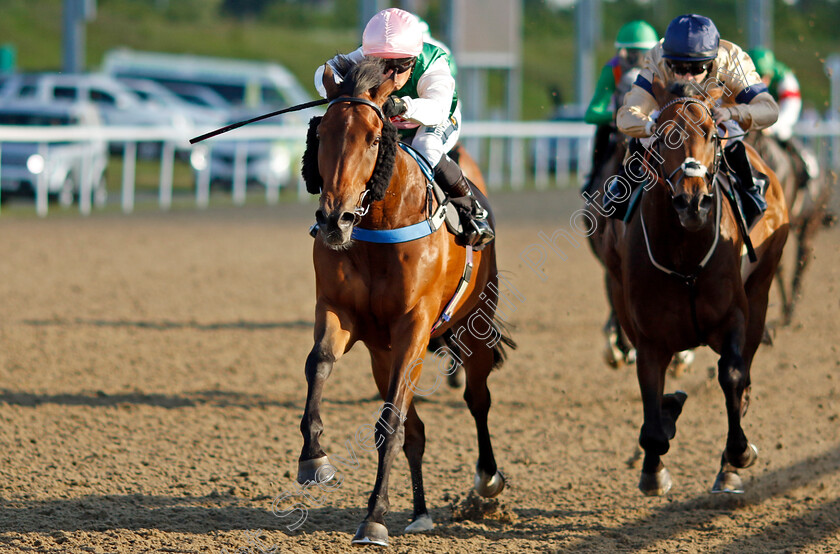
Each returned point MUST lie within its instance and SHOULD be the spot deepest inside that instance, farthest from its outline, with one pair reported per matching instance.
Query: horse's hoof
(728, 482)
(655, 484)
(420, 524)
(681, 362)
(488, 486)
(747, 459)
(308, 470)
(612, 360)
(371, 532)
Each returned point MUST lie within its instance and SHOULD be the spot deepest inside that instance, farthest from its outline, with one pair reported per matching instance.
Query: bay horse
(388, 296)
(618, 350)
(678, 279)
(807, 201)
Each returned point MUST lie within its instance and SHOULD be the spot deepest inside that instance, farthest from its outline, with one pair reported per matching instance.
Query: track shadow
(699, 512)
(166, 513)
(166, 325)
(214, 398)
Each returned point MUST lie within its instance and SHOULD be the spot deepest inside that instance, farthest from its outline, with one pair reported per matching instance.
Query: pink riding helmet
(393, 33)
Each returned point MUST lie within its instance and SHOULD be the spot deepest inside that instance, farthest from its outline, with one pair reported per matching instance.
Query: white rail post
(85, 184)
(128, 176)
(202, 182)
(541, 163)
(240, 173)
(167, 166)
(42, 198)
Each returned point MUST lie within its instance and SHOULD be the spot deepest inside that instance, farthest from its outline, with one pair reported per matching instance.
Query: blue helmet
(691, 38)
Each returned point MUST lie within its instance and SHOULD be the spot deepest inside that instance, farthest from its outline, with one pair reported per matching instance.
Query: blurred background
(149, 74)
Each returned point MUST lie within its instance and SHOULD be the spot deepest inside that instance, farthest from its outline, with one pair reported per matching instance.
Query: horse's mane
(686, 89)
(359, 79)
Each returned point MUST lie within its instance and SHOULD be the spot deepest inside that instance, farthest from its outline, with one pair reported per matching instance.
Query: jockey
(424, 108)
(633, 41)
(784, 87)
(693, 52)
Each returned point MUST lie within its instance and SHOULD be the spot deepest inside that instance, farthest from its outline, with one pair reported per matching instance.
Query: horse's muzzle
(336, 227)
(693, 210)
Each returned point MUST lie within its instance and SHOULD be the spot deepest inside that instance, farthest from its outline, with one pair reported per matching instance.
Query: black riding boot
(617, 197)
(454, 183)
(749, 185)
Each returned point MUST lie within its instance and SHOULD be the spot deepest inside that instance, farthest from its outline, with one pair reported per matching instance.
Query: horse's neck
(405, 198)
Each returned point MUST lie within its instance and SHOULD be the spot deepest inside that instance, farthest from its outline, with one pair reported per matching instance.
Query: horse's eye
(376, 140)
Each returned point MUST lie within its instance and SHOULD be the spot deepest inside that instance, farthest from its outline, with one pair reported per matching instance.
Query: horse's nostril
(706, 202)
(681, 202)
(320, 217)
(348, 218)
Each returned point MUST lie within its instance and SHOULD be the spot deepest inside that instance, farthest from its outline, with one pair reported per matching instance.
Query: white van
(243, 83)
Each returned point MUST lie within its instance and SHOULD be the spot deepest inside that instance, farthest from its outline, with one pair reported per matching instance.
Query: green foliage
(302, 34)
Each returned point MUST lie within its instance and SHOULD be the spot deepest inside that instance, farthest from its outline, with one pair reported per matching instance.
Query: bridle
(690, 167)
(363, 204)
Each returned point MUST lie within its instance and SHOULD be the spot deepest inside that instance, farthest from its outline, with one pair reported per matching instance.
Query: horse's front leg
(409, 338)
(660, 417)
(734, 379)
(332, 335)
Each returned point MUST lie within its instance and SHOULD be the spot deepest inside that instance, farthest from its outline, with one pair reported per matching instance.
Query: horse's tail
(499, 349)
(505, 340)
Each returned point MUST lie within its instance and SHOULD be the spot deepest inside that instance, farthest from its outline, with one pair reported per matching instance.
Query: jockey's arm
(435, 88)
(634, 117)
(745, 95)
(355, 56)
(599, 112)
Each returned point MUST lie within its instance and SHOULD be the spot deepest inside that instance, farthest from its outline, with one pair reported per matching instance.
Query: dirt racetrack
(151, 387)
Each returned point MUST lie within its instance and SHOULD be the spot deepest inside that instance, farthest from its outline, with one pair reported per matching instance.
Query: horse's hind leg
(660, 418)
(331, 341)
(478, 362)
(734, 379)
(409, 339)
(805, 250)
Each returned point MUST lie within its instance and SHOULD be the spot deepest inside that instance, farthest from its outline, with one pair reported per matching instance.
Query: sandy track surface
(151, 387)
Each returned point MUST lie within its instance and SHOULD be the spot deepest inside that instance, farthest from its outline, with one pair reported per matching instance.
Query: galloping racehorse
(389, 295)
(678, 279)
(618, 349)
(807, 202)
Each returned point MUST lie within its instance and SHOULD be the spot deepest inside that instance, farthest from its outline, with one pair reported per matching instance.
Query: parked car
(202, 112)
(243, 83)
(61, 165)
(268, 162)
(117, 104)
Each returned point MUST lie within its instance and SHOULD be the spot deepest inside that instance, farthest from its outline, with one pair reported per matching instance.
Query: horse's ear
(714, 93)
(659, 91)
(329, 82)
(380, 94)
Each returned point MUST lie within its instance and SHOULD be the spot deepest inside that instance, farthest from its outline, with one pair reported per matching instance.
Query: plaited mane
(363, 77)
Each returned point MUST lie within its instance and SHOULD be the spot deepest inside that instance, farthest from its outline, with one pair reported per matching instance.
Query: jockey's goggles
(399, 65)
(692, 68)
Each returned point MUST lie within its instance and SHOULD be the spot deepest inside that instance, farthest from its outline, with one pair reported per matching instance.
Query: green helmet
(636, 34)
(763, 59)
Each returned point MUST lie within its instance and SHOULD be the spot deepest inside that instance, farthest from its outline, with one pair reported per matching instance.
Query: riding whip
(233, 126)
